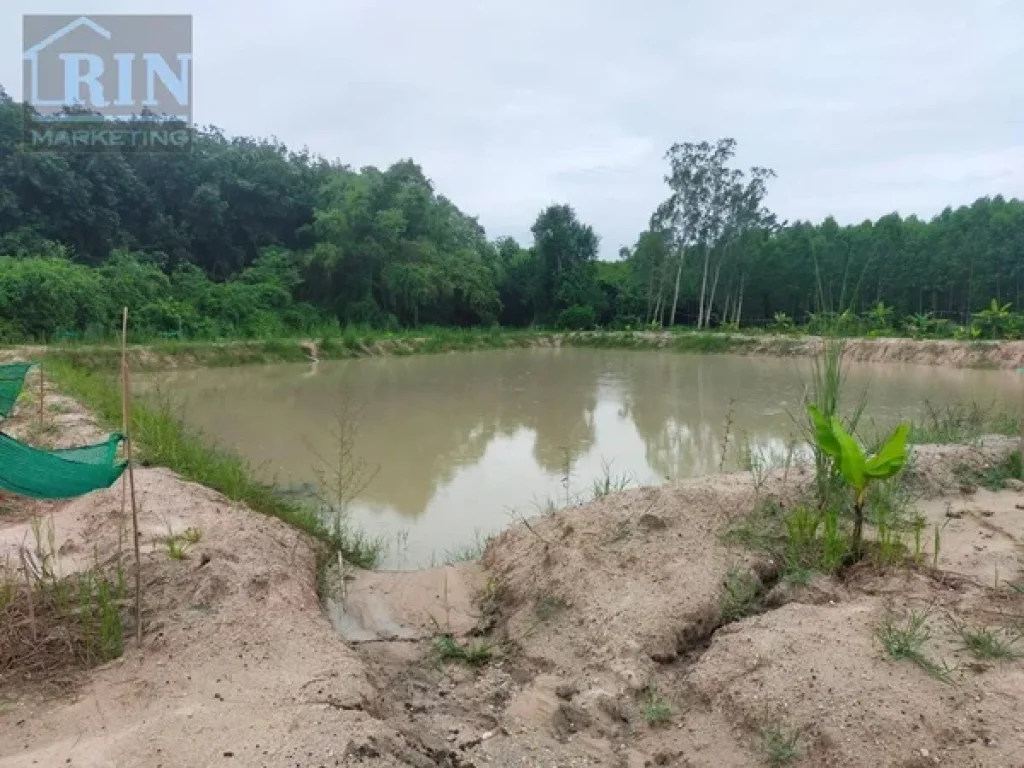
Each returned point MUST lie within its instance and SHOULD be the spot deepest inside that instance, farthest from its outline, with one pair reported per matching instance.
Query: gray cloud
(863, 107)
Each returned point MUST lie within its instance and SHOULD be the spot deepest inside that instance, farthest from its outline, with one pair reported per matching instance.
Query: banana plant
(782, 322)
(994, 320)
(858, 470)
(919, 325)
(879, 317)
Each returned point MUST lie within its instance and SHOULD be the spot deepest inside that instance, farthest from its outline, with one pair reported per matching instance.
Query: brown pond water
(464, 444)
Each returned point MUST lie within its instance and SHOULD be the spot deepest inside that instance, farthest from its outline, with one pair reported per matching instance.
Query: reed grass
(163, 439)
(51, 623)
(961, 423)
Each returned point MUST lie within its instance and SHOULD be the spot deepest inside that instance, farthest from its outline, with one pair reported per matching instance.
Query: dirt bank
(953, 354)
(612, 642)
(1008, 355)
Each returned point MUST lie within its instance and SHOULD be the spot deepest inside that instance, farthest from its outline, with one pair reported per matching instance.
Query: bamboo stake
(41, 397)
(126, 417)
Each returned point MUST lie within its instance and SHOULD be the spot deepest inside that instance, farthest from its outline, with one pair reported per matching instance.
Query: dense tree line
(713, 253)
(245, 237)
(951, 266)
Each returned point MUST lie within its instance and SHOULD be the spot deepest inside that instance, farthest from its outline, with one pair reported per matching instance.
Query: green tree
(566, 252)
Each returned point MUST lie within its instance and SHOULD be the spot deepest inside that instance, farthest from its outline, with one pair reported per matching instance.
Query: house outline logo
(129, 68)
(32, 55)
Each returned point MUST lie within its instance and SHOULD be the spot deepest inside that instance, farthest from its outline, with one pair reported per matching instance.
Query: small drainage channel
(743, 596)
(402, 606)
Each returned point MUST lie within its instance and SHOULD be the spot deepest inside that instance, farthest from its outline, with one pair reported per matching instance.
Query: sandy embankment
(593, 607)
(1006, 355)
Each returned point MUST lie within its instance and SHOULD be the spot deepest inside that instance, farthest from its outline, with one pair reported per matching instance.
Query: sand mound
(639, 572)
(236, 656)
(935, 470)
(821, 672)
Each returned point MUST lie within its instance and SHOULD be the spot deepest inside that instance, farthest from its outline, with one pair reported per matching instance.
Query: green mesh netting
(58, 474)
(12, 379)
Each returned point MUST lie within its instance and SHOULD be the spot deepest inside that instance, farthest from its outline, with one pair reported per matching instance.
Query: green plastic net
(12, 379)
(58, 474)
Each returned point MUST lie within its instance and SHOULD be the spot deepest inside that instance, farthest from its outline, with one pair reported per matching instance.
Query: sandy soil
(594, 612)
(945, 352)
(1008, 355)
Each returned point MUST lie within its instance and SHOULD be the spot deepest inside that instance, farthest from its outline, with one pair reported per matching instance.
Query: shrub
(577, 318)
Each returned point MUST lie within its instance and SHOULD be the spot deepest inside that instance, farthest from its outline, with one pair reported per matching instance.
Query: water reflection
(463, 440)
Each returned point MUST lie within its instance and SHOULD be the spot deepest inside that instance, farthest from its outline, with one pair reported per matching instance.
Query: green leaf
(823, 433)
(891, 456)
(851, 460)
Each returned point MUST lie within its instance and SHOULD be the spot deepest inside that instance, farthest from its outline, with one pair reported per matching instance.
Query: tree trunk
(703, 287)
(714, 287)
(739, 303)
(659, 306)
(970, 292)
(675, 295)
(650, 299)
(723, 257)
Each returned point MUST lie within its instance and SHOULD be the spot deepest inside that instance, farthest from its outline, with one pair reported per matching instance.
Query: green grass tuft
(739, 599)
(656, 709)
(989, 643)
(176, 548)
(961, 423)
(780, 745)
(994, 477)
(192, 536)
(549, 606)
(468, 553)
(904, 641)
(610, 483)
(447, 648)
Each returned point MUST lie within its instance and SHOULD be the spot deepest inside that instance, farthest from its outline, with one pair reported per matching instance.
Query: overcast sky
(862, 107)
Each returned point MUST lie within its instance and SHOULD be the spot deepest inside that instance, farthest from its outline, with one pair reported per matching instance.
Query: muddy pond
(459, 446)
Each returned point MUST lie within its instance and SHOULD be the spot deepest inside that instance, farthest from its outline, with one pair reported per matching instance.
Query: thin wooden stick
(42, 395)
(126, 415)
(120, 520)
(124, 431)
